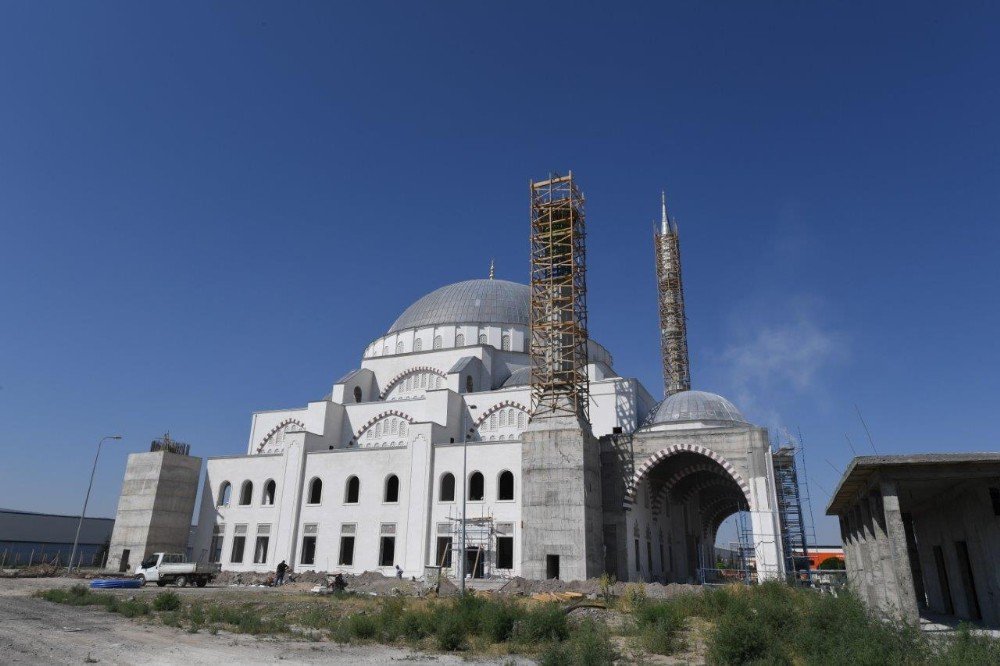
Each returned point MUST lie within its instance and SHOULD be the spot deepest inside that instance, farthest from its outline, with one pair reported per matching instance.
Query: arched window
(399, 347)
(447, 493)
(438, 342)
(482, 338)
(418, 344)
(505, 343)
(476, 487)
(505, 486)
(385, 350)
(353, 490)
(392, 488)
(357, 394)
(267, 499)
(459, 340)
(225, 493)
(246, 493)
(468, 384)
(315, 491)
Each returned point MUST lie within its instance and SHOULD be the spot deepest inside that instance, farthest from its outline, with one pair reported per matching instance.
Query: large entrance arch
(675, 503)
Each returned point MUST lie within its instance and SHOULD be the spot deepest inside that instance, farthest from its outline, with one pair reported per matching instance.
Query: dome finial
(491, 268)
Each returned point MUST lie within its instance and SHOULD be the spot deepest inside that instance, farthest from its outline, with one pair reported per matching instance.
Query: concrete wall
(155, 506)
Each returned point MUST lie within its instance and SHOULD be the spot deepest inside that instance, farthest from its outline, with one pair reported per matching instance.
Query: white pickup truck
(163, 568)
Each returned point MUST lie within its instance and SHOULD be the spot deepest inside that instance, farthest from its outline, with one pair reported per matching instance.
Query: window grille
(310, 528)
(444, 528)
(388, 529)
(348, 528)
(241, 529)
(264, 529)
(505, 528)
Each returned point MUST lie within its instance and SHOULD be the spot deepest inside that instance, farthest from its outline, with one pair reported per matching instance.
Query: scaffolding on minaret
(670, 294)
(559, 382)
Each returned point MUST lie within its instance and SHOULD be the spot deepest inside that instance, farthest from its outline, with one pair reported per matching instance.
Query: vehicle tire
(161, 583)
(201, 582)
(182, 581)
(143, 579)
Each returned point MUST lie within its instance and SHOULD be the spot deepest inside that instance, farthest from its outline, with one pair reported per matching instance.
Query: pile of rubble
(34, 571)
(591, 588)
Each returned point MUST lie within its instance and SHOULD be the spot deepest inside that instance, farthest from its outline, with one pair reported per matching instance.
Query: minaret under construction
(670, 294)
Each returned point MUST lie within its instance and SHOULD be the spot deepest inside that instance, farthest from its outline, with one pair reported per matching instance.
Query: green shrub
(498, 624)
(415, 625)
(132, 608)
(167, 601)
(588, 645)
(967, 649)
(542, 623)
(451, 633)
(660, 626)
(741, 639)
(171, 618)
(363, 626)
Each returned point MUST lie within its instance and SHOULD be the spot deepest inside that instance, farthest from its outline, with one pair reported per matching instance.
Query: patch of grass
(498, 623)
(171, 618)
(167, 601)
(542, 623)
(363, 626)
(132, 608)
(660, 626)
(451, 634)
(588, 645)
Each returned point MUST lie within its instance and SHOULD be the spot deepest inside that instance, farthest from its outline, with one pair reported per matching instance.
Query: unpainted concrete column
(896, 535)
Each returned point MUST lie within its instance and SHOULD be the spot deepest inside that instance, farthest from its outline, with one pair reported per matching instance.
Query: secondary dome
(469, 302)
(697, 406)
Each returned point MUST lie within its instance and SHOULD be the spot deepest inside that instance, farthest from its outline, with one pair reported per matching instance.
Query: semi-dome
(520, 377)
(469, 302)
(697, 406)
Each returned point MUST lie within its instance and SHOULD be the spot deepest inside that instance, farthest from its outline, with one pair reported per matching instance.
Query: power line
(867, 431)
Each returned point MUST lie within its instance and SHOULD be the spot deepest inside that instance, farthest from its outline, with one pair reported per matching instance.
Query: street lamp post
(86, 499)
(463, 560)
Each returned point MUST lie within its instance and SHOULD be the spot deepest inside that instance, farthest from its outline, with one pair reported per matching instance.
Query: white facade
(357, 481)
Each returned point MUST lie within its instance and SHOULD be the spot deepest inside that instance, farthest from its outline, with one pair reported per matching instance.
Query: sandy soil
(33, 631)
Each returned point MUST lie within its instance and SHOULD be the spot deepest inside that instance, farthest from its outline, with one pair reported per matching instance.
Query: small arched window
(468, 384)
(225, 494)
(267, 499)
(476, 487)
(418, 344)
(482, 338)
(399, 347)
(438, 342)
(315, 491)
(357, 394)
(459, 340)
(505, 343)
(353, 490)
(447, 493)
(246, 493)
(505, 485)
(392, 488)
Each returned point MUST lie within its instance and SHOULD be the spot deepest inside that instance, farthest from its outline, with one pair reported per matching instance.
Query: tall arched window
(505, 343)
(353, 490)
(477, 488)
(418, 344)
(315, 491)
(459, 340)
(225, 494)
(482, 338)
(399, 347)
(447, 492)
(468, 384)
(505, 486)
(246, 493)
(267, 499)
(438, 342)
(392, 488)
(357, 394)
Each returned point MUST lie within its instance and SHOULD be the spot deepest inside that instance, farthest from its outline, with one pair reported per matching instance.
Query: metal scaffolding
(793, 522)
(670, 292)
(558, 299)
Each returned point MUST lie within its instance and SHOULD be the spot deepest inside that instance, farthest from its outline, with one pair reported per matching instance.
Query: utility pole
(86, 499)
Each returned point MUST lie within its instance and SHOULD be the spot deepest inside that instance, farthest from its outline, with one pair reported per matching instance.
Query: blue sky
(211, 208)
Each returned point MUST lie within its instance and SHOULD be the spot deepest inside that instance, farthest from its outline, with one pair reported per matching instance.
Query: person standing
(399, 572)
(280, 578)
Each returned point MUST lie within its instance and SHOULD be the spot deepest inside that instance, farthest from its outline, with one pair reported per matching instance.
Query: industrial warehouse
(486, 415)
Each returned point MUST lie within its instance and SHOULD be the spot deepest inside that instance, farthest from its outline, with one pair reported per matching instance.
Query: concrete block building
(921, 534)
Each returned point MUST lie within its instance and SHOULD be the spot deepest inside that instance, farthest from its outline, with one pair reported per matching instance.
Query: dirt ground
(33, 631)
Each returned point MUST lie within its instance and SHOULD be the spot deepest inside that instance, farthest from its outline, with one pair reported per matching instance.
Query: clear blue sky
(211, 208)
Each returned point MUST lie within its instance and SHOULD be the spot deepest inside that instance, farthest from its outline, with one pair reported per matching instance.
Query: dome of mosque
(697, 406)
(470, 302)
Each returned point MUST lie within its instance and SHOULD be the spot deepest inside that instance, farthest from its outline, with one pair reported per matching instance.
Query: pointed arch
(388, 428)
(277, 430)
(643, 470)
(415, 370)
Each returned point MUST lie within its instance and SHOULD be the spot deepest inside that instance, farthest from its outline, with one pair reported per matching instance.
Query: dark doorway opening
(474, 559)
(968, 581)
(123, 566)
(942, 574)
(552, 566)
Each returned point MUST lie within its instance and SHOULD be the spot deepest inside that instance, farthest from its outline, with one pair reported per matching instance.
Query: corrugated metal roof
(50, 528)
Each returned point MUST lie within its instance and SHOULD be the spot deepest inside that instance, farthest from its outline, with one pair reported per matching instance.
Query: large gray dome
(697, 406)
(469, 302)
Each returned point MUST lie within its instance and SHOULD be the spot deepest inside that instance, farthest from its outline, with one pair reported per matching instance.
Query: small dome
(697, 406)
(469, 302)
(520, 377)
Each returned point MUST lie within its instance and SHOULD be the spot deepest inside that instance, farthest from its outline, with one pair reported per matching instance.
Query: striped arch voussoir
(496, 408)
(652, 461)
(375, 419)
(272, 431)
(406, 373)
